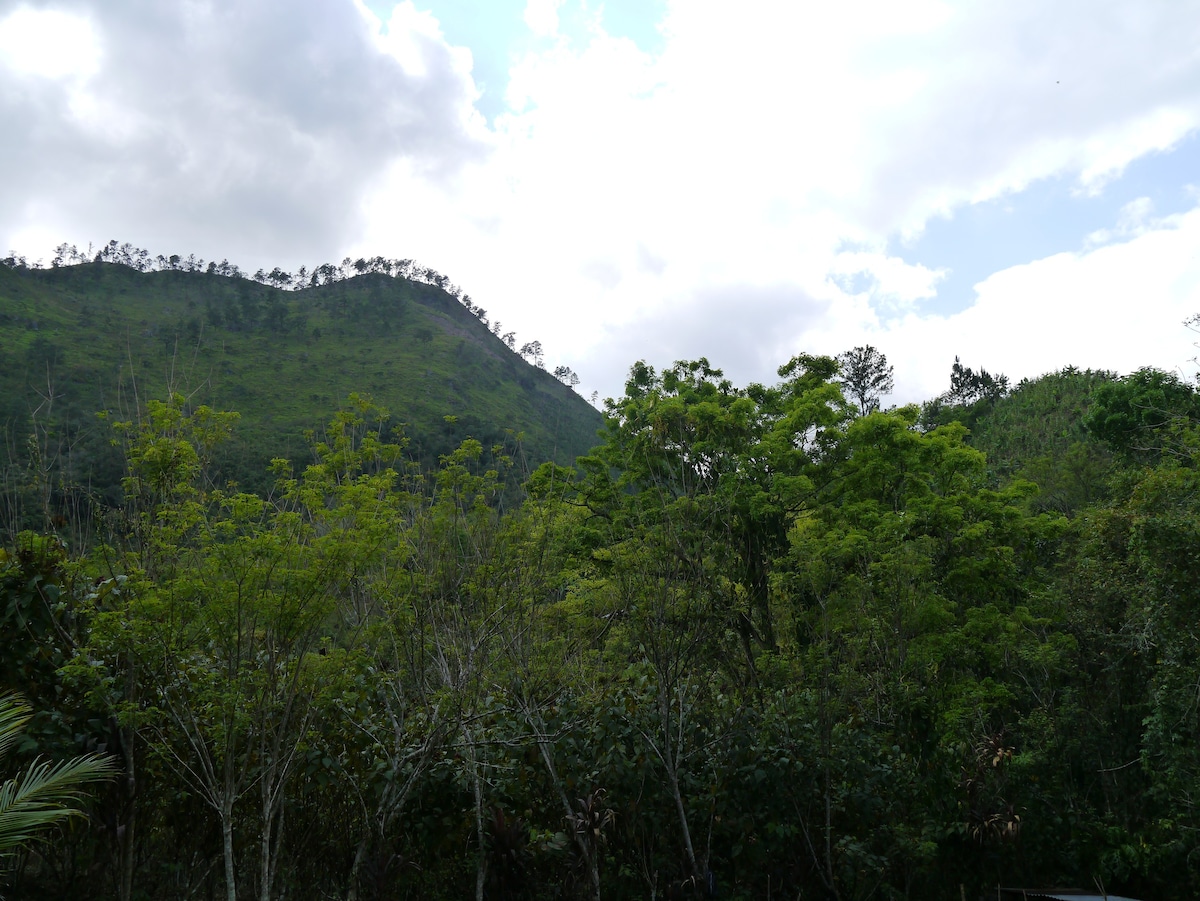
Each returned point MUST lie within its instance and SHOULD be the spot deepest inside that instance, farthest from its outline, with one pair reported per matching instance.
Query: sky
(1012, 182)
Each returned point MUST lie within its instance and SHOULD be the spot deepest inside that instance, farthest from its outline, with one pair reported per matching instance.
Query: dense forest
(104, 331)
(770, 641)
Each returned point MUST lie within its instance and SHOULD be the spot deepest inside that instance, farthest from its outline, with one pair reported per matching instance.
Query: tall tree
(723, 468)
(228, 595)
(1145, 415)
(865, 377)
(968, 386)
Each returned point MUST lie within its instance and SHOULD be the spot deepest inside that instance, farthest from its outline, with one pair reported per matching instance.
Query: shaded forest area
(761, 642)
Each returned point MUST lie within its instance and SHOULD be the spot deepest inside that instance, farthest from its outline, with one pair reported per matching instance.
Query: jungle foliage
(761, 642)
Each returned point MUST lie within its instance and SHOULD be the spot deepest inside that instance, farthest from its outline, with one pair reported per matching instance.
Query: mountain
(96, 336)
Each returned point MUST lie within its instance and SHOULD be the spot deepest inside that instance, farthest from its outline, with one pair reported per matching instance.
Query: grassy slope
(101, 336)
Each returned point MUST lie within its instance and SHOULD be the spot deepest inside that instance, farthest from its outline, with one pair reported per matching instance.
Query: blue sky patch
(1051, 216)
(497, 35)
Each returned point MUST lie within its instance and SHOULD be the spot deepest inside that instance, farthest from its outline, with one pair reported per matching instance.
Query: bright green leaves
(167, 450)
(708, 474)
(910, 591)
(220, 641)
(775, 637)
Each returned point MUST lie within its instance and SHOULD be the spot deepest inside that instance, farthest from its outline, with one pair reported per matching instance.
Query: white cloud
(1107, 154)
(542, 16)
(247, 130)
(628, 204)
(1119, 307)
(414, 38)
(756, 146)
(48, 43)
(1136, 218)
(892, 284)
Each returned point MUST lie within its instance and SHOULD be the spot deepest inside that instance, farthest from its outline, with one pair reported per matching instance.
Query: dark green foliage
(971, 395)
(39, 623)
(758, 644)
(101, 336)
(866, 376)
(968, 386)
(1139, 416)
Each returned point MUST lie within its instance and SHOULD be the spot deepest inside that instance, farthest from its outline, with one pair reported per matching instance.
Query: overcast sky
(1014, 182)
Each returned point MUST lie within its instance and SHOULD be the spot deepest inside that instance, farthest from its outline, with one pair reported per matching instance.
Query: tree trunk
(227, 847)
(126, 841)
(125, 890)
(271, 833)
(668, 758)
(264, 873)
(360, 854)
(592, 858)
(477, 785)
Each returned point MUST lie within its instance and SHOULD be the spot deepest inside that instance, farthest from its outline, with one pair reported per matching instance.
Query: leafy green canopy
(1140, 415)
(757, 640)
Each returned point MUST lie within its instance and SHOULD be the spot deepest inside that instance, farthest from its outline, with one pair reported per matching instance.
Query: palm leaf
(14, 714)
(44, 793)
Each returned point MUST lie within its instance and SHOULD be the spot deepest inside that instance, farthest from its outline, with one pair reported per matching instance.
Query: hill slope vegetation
(78, 339)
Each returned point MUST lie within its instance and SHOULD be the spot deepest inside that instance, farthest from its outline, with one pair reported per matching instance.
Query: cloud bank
(733, 194)
(231, 129)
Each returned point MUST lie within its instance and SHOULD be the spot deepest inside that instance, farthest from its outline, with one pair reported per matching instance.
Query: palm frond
(14, 714)
(45, 792)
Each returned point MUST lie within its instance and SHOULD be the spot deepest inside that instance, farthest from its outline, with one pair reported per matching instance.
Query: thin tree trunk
(668, 757)
(271, 833)
(127, 856)
(126, 841)
(593, 859)
(268, 842)
(264, 875)
(360, 854)
(227, 847)
(481, 859)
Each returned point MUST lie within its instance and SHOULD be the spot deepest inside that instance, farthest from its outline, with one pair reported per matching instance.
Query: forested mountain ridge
(77, 339)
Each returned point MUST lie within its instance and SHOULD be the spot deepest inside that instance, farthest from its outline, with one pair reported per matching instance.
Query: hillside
(101, 336)
(1037, 433)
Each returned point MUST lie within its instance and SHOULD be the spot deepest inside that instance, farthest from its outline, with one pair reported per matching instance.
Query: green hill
(102, 336)
(1037, 432)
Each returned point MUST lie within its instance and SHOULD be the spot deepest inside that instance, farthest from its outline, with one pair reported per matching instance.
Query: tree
(566, 375)
(918, 600)
(532, 351)
(225, 611)
(1142, 415)
(866, 375)
(44, 793)
(1135, 593)
(968, 386)
(722, 468)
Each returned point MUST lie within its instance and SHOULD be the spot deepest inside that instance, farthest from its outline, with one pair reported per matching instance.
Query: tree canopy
(764, 640)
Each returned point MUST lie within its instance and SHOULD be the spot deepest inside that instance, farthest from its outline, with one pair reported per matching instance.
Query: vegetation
(284, 351)
(39, 797)
(761, 641)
